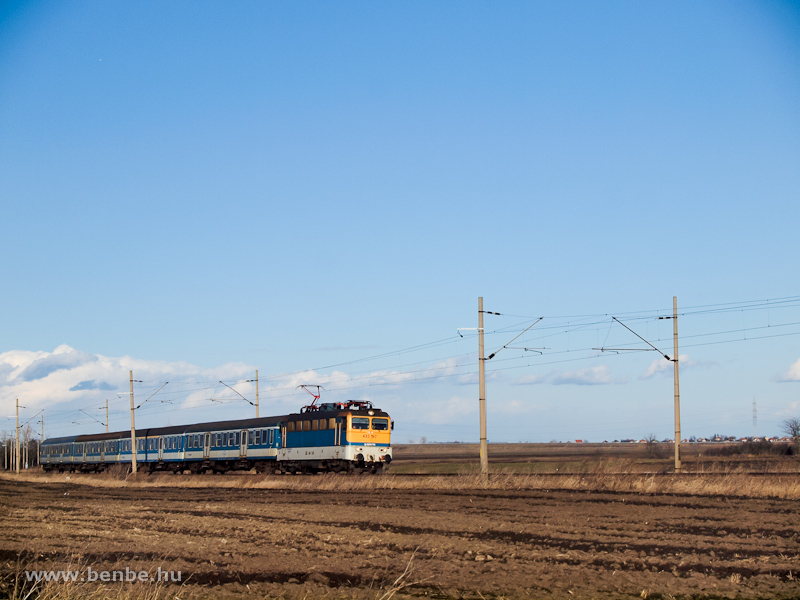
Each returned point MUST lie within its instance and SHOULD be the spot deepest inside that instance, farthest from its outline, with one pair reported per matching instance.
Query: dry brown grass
(601, 479)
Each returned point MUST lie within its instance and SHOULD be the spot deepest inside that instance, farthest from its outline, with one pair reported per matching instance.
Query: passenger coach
(349, 436)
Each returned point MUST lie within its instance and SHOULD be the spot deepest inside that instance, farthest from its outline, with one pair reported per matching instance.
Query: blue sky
(199, 190)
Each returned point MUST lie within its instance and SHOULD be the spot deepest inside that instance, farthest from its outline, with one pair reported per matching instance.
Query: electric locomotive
(350, 436)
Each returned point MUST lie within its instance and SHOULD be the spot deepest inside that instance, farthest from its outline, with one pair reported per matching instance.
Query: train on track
(347, 436)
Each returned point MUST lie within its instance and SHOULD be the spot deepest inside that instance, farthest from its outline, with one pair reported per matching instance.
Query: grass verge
(771, 485)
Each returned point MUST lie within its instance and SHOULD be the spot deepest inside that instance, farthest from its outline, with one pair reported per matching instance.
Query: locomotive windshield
(378, 424)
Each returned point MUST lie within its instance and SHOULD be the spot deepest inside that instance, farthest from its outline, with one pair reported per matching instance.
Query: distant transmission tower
(755, 419)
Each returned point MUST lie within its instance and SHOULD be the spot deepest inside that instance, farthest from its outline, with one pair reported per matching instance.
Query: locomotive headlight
(370, 413)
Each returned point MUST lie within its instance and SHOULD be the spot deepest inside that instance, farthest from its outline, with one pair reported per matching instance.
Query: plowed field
(232, 542)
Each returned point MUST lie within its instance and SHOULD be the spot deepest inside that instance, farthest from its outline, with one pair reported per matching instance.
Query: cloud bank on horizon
(72, 379)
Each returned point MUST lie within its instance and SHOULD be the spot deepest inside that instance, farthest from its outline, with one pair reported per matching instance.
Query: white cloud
(46, 379)
(530, 380)
(793, 374)
(588, 376)
(663, 366)
(67, 379)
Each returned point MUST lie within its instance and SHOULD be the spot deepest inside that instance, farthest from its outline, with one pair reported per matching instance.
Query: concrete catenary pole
(677, 386)
(106, 415)
(482, 393)
(133, 432)
(256, 393)
(16, 464)
(39, 445)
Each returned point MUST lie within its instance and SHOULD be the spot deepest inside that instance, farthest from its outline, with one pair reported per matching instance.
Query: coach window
(360, 422)
(271, 436)
(237, 439)
(256, 437)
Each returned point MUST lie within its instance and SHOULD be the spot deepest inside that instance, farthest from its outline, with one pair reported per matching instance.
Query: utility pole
(39, 446)
(677, 386)
(17, 442)
(482, 395)
(256, 393)
(133, 431)
(674, 361)
(106, 415)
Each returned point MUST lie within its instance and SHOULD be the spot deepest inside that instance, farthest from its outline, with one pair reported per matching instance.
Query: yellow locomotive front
(368, 438)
